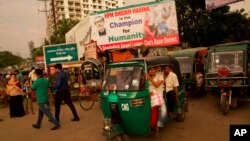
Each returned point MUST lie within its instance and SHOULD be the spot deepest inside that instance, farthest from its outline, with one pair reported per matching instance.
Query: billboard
(212, 4)
(149, 24)
(90, 50)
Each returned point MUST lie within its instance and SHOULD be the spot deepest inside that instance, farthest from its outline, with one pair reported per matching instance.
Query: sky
(20, 23)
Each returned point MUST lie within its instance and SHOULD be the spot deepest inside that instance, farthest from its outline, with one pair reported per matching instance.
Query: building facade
(76, 9)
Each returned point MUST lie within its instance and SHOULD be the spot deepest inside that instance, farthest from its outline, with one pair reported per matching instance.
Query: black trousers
(16, 106)
(171, 100)
(66, 96)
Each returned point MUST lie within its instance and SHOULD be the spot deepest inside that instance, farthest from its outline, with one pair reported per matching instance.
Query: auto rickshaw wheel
(181, 115)
(224, 104)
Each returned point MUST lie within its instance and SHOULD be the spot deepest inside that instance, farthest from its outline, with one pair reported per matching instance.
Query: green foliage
(32, 50)
(39, 51)
(63, 27)
(200, 27)
(8, 59)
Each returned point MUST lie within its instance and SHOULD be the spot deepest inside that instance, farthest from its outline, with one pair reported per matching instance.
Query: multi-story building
(76, 9)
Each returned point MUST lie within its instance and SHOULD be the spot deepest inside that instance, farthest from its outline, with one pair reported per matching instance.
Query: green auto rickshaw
(227, 73)
(192, 62)
(126, 106)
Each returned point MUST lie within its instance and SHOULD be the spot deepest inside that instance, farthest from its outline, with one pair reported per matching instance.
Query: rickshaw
(227, 73)
(192, 68)
(91, 80)
(126, 105)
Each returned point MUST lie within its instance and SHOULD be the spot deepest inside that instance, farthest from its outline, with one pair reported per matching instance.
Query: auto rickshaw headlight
(107, 125)
(107, 128)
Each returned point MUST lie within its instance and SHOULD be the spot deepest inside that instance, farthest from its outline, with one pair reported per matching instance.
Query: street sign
(60, 53)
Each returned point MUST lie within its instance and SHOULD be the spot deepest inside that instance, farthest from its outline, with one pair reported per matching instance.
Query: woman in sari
(13, 89)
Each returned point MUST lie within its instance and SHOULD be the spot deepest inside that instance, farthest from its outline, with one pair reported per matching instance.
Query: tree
(63, 27)
(8, 59)
(200, 27)
(32, 50)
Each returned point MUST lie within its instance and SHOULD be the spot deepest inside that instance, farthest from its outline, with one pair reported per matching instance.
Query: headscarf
(12, 88)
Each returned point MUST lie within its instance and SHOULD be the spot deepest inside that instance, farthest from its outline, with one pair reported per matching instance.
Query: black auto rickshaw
(126, 107)
(227, 73)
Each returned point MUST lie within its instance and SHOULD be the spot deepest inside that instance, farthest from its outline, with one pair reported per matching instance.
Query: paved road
(203, 122)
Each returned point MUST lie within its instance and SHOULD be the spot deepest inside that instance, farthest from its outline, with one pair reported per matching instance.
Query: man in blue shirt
(63, 93)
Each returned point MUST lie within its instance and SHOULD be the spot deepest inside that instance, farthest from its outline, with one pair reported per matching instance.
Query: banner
(40, 59)
(149, 24)
(90, 50)
(212, 4)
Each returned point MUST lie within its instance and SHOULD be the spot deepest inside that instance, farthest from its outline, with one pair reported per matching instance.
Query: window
(124, 79)
(231, 59)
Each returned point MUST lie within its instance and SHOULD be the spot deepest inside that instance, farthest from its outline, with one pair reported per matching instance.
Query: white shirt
(32, 75)
(171, 81)
(158, 90)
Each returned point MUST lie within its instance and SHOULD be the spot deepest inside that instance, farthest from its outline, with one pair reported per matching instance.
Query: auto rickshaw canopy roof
(154, 61)
(230, 46)
(191, 52)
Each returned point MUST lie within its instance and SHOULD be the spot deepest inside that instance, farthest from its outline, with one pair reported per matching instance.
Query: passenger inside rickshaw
(125, 78)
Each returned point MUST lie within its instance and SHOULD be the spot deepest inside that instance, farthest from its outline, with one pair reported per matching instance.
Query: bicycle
(88, 96)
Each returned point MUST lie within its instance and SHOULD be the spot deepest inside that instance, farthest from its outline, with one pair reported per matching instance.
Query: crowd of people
(162, 81)
(165, 84)
(20, 93)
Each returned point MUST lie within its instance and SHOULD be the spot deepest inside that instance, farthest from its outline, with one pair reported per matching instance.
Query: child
(27, 97)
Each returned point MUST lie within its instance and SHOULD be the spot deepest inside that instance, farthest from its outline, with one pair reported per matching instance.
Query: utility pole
(46, 16)
(54, 14)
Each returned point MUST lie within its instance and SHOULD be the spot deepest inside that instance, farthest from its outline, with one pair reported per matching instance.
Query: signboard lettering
(60, 53)
(153, 24)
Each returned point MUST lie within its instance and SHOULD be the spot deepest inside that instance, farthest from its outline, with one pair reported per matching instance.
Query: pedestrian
(2, 88)
(156, 88)
(172, 84)
(32, 75)
(28, 103)
(63, 93)
(19, 76)
(14, 90)
(41, 87)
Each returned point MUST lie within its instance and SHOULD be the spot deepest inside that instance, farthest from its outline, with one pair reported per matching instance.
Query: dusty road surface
(203, 122)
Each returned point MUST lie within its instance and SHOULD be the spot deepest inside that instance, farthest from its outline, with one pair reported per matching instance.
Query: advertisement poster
(150, 24)
(90, 50)
(212, 4)
(39, 59)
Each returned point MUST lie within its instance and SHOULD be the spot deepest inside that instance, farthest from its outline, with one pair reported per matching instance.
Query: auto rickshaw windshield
(124, 78)
(232, 59)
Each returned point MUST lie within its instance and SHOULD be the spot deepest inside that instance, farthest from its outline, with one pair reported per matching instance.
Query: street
(203, 122)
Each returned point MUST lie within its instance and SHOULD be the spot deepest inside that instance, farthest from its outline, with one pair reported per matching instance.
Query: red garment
(154, 116)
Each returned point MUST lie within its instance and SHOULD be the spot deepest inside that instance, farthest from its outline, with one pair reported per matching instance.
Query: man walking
(63, 93)
(41, 86)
